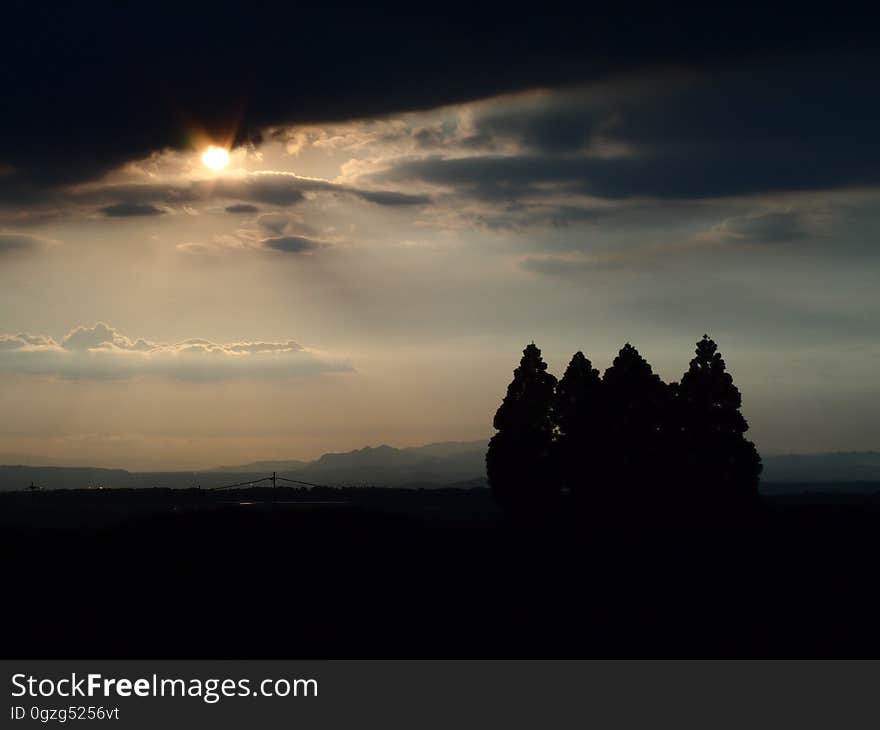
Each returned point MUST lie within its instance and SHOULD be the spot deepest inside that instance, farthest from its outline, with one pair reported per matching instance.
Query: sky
(408, 201)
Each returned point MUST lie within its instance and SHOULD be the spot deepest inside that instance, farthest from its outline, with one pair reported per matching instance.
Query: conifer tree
(636, 410)
(712, 429)
(577, 415)
(518, 460)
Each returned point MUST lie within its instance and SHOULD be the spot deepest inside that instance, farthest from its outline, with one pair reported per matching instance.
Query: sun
(215, 157)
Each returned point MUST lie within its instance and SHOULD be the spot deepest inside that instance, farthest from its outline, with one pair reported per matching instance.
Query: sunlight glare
(215, 157)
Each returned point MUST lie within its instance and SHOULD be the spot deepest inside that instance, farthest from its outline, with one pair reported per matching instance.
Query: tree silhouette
(626, 446)
(578, 416)
(716, 455)
(637, 406)
(518, 460)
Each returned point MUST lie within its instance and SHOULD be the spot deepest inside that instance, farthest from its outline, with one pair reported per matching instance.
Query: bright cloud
(103, 353)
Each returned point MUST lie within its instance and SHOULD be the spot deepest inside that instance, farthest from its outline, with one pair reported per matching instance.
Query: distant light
(215, 157)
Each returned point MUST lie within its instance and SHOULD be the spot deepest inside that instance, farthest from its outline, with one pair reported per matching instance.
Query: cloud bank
(381, 61)
(131, 210)
(101, 352)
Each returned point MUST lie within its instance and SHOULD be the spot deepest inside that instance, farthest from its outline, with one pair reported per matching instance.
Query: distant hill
(855, 466)
(385, 465)
(450, 448)
(433, 465)
(70, 477)
(262, 466)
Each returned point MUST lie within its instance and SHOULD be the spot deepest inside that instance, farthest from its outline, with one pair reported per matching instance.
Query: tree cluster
(622, 440)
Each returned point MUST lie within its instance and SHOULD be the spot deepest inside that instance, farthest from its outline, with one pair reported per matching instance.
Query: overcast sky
(408, 202)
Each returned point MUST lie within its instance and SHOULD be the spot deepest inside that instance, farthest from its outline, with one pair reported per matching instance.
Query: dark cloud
(124, 84)
(796, 226)
(390, 197)
(277, 189)
(292, 244)
(275, 223)
(773, 227)
(281, 190)
(11, 242)
(241, 208)
(498, 178)
(555, 126)
(131, 194)
(130, 210)
(796, 127)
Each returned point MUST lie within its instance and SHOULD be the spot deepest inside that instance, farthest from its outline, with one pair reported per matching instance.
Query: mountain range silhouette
(444, 463)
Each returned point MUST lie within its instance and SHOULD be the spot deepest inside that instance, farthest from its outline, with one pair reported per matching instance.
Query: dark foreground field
(396, 573)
